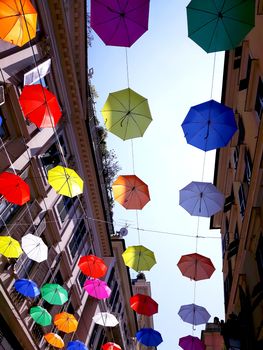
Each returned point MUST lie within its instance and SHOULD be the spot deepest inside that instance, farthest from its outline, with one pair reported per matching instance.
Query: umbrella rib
(120, 102)
(135, 122)
(142, 115)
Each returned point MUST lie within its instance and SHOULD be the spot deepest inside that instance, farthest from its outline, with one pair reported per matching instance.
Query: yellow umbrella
(65, 181)
(10, 247)
(139, 258)
(65, 322)
(54, 340)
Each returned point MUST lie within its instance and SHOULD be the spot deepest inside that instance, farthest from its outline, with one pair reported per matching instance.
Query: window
(241, 131)
(242, 200)
(78, 243)
(229, 201)
(65, 205)
(259, 257)
(35, 75)
(248, 167)
(113, 293)
(244, 82)
(225, 243)
(3, 129)
(236, 157)
(82, 278)
(259, 99)
(93, 335)
(237, 59)
(53, 157)
(7, 212)
(58, 279)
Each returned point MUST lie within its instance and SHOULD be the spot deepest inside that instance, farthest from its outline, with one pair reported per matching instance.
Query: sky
(173, 73)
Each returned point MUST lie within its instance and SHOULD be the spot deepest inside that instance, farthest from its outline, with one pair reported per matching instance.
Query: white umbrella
(34, 247)
(105, 319)
(201, 199)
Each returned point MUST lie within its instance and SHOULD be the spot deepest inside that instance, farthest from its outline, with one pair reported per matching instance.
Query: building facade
(238, 174)
(70, 227)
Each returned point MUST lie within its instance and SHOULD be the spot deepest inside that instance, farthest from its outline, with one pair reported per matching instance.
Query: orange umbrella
(54, 340)
(65, 322)
(18, 21)
(130, 191)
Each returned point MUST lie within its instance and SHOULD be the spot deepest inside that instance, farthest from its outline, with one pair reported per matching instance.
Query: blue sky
(173, 73)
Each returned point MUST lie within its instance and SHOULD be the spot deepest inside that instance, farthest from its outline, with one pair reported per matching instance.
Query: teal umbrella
(220, 25)
(54, 294)
(40, 315)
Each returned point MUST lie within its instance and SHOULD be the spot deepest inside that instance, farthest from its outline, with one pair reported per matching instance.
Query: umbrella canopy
(195, 266)
(65, 181)
(92, 266)
(76, 345)
(194, 314)
(149, 337)
(201, 199)
(40, 106)
(54, 294)
(209, 125)
(34, 247)
(105, 319)
(66, 322)
(10, 247)
(27, 287)
(97, 288)
(220, 25)
(14, 189)
(111, 346)
(126, 114)
(191, 343)
(119, 23)
(143, 304)
(18, 21)
(40, 315)
(139, 258)
(54, 340)
(130, 191)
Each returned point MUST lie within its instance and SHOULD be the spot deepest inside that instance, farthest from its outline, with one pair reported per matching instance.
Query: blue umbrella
(27, 287)
(2, 132)
(194, 314)
(149, 337)
(209, 125)
(76, 345)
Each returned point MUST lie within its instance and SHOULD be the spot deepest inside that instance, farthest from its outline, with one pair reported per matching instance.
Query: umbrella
(126, 114)
(111, 346)
(194, 314)
(27, 287)
(195, 266)
(92, 266)
(34, 247)
(66, 322)
(105, 319)
(40, 106)
(220, 25)
(139, 258)
(119, 23)
(76, 345)
(14, 189)
(10, 247)
(18, 21)
(40, 315)
(149, 337)
(97, 288)
(65, 181)
(191, 343)
(130, 191)
(54, 294)
(201, 199)
(54, 340)
(209, 125)
(143, 304)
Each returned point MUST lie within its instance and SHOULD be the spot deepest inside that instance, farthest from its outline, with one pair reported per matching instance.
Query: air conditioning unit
(2, 95)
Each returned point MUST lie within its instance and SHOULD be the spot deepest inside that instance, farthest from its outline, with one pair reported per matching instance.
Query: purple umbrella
(119, 22)
(191, 343)
(194, 314)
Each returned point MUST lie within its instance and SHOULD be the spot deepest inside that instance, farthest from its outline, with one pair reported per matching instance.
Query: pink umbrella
(191, 343)
(97, 288)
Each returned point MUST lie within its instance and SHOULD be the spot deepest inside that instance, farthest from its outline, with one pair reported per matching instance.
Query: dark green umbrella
(220, 25)
(54, 294)
(40, 315)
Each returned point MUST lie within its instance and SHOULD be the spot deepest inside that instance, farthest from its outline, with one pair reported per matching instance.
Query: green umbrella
(54, 294)
(40, 315)
(126, 114)
(220, 25)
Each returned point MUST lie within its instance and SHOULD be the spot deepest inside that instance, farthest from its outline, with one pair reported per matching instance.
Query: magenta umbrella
(191, 343)
(97, 288)
(119, 23)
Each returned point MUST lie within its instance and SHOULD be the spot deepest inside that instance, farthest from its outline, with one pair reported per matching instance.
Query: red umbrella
(14, 189)
(130, 191)
(196, 267)
(143, 304)
(40, 106)
(92, 266)
(111, 346)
